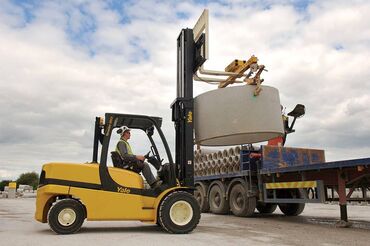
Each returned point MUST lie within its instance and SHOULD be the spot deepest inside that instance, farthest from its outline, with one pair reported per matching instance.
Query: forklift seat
(117, 160)
(119, 163)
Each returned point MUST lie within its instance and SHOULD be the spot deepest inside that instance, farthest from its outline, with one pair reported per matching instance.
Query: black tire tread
(224, 207)
(79, 214)
(162, 212)
(250, 203)
(266, 208)
(204, 205)
(292, 209)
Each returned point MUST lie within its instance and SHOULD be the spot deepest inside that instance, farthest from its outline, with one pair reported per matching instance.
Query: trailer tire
(266, 208)
(240, 204)
(66, 216)
(291, 209)
(217, 200)
(200, 196)
(179, 212)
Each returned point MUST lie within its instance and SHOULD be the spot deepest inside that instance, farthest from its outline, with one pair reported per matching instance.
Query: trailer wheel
(292, 209)
(241, 205)
(179, 213)
(200, 196)
(217, 201)
(266, 208)
(66, 216)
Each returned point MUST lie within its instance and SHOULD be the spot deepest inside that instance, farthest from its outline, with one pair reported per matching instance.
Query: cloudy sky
(64, 62)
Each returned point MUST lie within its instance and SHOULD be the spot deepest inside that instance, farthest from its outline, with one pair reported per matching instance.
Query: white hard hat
(123, 129)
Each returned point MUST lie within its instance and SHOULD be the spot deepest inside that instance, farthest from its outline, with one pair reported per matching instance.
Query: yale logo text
(123, 190)
(190, 117)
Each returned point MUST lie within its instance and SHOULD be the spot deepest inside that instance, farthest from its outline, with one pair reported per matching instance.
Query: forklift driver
(136, 162)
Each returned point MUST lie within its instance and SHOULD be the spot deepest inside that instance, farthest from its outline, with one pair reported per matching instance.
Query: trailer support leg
(342, 200)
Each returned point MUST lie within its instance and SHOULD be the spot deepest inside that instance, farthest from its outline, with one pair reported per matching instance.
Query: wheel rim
(217, 200)
(239, 201)
(67, 217)
(181, 213)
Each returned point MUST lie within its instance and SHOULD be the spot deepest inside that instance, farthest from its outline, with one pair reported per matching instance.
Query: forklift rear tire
(266, 208)
(200, 196)
(217, 201)
(66, 216)
(179, 212)
(241, 205)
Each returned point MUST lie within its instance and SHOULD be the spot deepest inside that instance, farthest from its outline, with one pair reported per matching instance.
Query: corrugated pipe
(217, 170)
(236, 167)
(219, 154)
(214, 156)
(213, 163)
(223, 170)
(230, 161)
(225, 153)
(237, 150)
(236, 158)
(230, 169)
(231, 151)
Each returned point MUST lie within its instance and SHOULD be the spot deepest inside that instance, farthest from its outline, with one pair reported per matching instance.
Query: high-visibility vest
(128, 147)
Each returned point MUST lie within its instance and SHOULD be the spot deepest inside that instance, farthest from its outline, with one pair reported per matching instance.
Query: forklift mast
(190, 56)
(182, 109)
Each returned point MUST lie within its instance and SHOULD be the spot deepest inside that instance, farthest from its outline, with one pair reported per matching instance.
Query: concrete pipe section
(232, 116)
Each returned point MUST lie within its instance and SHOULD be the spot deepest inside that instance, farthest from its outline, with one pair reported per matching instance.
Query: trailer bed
(275, 169)
(363, 162)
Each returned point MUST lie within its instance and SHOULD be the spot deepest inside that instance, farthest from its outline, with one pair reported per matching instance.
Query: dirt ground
(316, 226)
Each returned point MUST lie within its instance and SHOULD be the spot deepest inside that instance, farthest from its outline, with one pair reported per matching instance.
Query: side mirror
(298, 111)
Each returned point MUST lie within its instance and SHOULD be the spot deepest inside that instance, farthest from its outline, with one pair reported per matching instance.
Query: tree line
(29, 178)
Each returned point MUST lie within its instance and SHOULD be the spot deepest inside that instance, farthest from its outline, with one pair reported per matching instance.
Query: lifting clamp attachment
(256, 80)
(240, 67)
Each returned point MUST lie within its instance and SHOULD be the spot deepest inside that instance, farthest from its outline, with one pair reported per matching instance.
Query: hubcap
(181, 213)
(240, 201)
(67, 217)
(217, 200)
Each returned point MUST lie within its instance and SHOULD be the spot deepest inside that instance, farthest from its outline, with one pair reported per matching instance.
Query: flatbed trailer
(286, 177)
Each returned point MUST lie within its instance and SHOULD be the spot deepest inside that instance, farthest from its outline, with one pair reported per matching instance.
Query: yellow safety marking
(290, 185)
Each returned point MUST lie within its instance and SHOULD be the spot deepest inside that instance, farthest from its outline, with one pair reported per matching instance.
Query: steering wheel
(147, 155)
(154, 159)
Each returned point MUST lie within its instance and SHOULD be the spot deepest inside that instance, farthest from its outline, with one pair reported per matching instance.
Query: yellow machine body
(82, 182)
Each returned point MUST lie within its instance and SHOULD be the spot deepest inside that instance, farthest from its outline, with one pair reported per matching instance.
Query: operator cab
(153, 156)
(150, 126)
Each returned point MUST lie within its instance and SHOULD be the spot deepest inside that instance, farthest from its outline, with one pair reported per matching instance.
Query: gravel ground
(316, 226)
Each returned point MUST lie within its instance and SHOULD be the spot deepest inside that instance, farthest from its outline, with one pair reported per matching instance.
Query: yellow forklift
(70, 193)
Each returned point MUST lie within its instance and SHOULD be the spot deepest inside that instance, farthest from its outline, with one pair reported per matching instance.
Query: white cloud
(53, 81)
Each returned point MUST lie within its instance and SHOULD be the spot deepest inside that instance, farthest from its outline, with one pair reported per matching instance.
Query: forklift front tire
(179, 213)
(66, 216)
